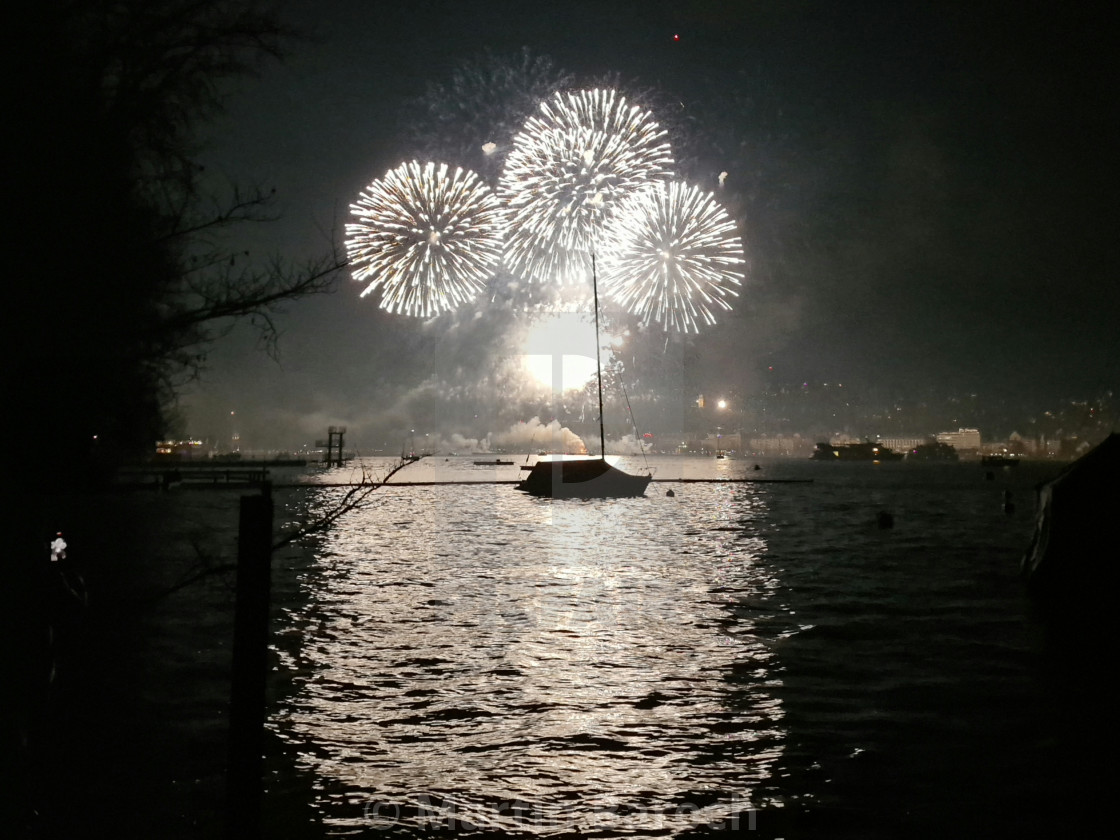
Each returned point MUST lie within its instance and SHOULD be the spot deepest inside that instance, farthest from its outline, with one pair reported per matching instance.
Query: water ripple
(462, 650)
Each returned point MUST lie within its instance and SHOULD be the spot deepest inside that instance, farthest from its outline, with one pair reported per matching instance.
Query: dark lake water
(736, 656)
(470, 659)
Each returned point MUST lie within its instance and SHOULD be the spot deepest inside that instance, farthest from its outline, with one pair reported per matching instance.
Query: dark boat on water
(933, 451)
(408, 451)
(495, 463)
(999, 461)
(866, 451)
(585, 478)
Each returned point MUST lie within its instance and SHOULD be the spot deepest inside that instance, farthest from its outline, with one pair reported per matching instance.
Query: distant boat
(585, 478)
(999, 460)
(866, 451)
(933, 451)
(495, 463)
(408, 451)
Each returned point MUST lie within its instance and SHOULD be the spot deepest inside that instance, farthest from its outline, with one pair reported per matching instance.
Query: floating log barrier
(512, 481)
(165, 477)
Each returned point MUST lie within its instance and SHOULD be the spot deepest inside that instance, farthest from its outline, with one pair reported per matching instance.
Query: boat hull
(854, 452)
(590, 479)
(999, 461)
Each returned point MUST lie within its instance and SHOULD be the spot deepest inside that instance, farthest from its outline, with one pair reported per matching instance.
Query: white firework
(428, 238)
(567, 169)
(672, 257)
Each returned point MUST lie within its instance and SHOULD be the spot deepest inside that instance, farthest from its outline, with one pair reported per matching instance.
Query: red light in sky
(676, 37)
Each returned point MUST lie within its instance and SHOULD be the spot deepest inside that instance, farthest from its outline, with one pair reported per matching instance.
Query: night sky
(922, 189)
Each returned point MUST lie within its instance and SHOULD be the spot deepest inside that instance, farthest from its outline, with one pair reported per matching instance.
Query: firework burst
(672, 256)
(567, 169)
(428, 238)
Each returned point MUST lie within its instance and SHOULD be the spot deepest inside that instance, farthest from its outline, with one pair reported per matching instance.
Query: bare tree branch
(354, 499)
(206, 566)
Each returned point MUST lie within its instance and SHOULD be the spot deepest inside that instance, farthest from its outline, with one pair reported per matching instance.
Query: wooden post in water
(250, 666)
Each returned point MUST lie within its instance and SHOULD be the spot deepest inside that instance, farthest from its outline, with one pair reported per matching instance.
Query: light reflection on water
(646, 667)
(462, 649)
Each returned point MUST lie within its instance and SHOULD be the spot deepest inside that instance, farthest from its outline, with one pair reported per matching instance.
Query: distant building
(1015, 445)
(179, 450)
(730, 442)
(793, 445)
(903, 444)
(962, 440)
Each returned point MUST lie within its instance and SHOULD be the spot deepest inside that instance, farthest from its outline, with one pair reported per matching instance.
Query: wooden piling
(244, 775)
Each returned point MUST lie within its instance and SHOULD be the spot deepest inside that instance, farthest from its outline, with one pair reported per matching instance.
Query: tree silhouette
(126, 264)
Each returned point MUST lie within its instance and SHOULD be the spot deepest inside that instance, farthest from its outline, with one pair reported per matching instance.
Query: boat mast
(598, 364)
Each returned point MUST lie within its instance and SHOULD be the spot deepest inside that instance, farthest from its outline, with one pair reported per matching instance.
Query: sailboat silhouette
(586, 478)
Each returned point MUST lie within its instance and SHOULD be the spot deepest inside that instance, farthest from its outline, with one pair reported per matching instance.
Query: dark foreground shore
(117, 665)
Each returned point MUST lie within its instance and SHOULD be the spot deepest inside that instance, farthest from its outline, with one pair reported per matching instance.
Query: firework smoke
(470, 119)
(535, 436)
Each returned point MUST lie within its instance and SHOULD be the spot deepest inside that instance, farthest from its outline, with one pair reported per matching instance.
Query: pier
(182, 474)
